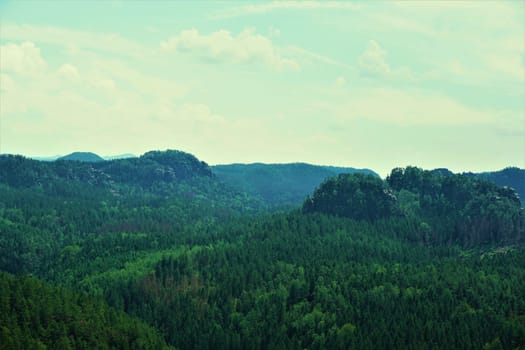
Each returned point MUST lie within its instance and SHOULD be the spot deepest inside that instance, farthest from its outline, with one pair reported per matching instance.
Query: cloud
(303, 54)
(68, 72)
(284, 5)
(76, 40)
(373, 60)
(246, 47)
(340, 81)
(474, 43)
(23, 59)
(373, 63)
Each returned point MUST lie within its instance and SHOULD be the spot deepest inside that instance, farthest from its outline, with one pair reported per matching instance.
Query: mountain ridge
(280, 184)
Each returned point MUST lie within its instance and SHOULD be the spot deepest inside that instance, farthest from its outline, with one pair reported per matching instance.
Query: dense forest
(160, 251)
(510, 177)
(37, 316)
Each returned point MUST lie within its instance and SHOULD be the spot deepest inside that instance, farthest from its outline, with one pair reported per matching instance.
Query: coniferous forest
(162, 251)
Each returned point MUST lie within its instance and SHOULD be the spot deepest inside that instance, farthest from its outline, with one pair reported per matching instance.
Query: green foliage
(509, 177)
(357, 196)
(34, 315)
(459, 208)
(152, 172)
(46, 207)
(311, 281)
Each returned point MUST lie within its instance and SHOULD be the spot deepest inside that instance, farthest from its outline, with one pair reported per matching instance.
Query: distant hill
(357, 196)
(458, 207)
(447, 207)
(279, 184)
(153, 168)
(511, 177)
(83, 157)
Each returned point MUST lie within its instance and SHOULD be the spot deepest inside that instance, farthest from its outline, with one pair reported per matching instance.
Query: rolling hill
(279, 184)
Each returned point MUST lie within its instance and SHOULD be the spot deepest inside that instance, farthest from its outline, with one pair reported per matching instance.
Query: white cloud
(246, 47)
(24, 58)
(284, 5)
(472, 42)
(76, 40)
(303, 54)
(373, 60)
(373, 63)
(68, 72)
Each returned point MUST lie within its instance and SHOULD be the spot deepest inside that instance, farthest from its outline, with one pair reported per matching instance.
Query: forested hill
(450, 208)
(149, 170)
(511, 177)
(46, 206)
(279, 184)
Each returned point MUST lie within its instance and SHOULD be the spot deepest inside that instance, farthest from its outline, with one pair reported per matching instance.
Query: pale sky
(362, 84)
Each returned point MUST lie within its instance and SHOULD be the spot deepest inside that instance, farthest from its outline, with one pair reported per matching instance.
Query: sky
(362, 84)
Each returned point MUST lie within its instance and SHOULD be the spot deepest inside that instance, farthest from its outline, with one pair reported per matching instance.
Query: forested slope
(459, 208)
(279, 184)
(319, 282)
(34, 315)
(50, 210)
(510, 177)
(423, 259)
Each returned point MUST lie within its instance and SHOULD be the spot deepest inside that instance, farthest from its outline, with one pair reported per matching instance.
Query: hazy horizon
(366, 85)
